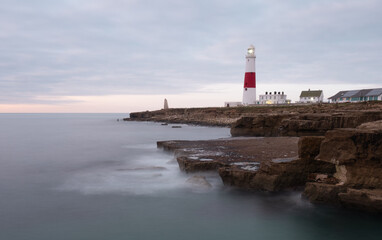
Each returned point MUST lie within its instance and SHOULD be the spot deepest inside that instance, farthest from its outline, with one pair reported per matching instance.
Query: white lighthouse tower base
(249, 96)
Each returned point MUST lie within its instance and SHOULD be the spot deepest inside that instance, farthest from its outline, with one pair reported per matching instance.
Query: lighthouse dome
(251, 50)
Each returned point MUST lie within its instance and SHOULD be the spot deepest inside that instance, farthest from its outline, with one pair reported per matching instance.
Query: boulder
(309, 147)
(357, 156)
(274, 175)
(323, 193)
(190, 164)
(340, 195)
(364, 199)
(237, 177)
(199, 182)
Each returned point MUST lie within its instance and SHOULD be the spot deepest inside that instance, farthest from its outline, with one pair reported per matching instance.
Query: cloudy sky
(128, 55)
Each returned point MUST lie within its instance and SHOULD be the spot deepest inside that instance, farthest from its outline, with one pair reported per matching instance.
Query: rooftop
(311, 93)
(358, 93)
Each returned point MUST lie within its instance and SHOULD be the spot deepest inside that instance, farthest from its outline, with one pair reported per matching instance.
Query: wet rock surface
(280, 173)
(241, 153)
(268, 164)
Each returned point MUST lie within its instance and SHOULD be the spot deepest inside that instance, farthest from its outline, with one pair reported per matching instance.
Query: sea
(92, 177)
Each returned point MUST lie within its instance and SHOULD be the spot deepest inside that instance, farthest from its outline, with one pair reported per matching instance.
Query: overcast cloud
(115, 47)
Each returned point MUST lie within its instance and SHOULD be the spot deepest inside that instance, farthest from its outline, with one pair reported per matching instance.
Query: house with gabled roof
(374, 94)
(311, 96)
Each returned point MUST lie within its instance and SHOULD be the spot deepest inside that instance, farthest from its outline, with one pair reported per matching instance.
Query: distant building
(311, 96)
(233, 104)
(275, 98)
(357, 95)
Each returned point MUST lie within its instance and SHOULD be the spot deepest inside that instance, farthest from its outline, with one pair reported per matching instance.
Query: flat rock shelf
(257, 163)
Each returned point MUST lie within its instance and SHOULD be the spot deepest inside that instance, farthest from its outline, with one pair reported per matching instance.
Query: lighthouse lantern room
(249, 91)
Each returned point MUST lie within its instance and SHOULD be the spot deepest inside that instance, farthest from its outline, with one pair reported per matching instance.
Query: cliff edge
(270, 120)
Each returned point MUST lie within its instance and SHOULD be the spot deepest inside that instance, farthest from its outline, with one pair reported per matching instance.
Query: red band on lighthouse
(250, 80)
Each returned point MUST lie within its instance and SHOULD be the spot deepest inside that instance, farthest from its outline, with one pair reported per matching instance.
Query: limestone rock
(296, 124)
(273, 176)
(199, 182)
(309, 147)
(188, 164)
(353, 147)
(365, 199)
(357, 156)
(280, 174)
(323, 193)
(266, 125)
(371, 125)
(340, 195)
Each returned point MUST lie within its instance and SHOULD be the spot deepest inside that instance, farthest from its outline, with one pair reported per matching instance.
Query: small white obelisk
(165, 104)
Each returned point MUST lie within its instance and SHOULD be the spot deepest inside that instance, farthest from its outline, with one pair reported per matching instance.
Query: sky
(128, 55)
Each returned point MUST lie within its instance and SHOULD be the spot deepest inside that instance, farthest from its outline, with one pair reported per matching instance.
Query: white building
(233, 104)
(357, 95)
(311, 96)
(275, 98)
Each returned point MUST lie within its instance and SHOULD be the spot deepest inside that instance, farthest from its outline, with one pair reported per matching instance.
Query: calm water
(89, 177)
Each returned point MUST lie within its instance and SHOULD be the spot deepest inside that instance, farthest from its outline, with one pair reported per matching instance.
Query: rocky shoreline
(333, 151)
(265, 116)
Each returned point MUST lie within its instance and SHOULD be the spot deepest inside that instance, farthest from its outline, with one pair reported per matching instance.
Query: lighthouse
(249, 91)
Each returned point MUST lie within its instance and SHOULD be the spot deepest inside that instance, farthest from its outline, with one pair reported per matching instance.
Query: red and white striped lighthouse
(249, 91)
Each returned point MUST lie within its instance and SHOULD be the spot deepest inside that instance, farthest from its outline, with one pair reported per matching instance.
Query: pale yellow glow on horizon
(208, 96)
(117, 103)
